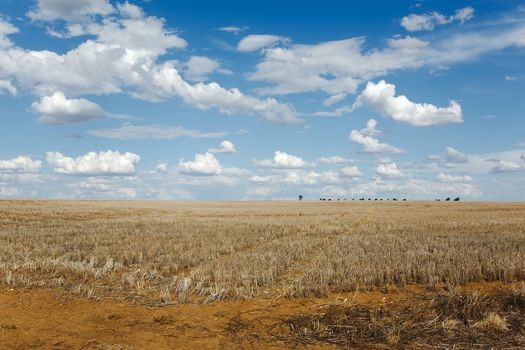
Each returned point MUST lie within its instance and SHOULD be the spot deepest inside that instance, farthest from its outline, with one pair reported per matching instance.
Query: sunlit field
(458, 266)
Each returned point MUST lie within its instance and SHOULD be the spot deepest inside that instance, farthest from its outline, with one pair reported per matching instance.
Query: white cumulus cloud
(49, 10)
(57, 109)
(228, 101)
(203, 164)
(370, 144)
(93, 163)
(20, 164)
(283, 160)
(388, 170)
(226, 147)
(507, 166)
(382, 98)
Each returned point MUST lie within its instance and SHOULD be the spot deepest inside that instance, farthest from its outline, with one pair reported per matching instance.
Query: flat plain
(154, 275)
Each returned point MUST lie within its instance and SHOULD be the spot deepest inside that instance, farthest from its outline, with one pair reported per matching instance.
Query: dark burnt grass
(444, 320)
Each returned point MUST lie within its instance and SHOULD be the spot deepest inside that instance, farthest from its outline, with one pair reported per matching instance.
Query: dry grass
(178, 252)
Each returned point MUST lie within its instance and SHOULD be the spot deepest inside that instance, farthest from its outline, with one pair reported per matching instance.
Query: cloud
(260, 191)
(413, 189)
(257, 42)
(299, 177)
(429, 21)
(5, 85)
(123, 57)
(203, 164)
(341, 66)
(6, 29)
(350, 171)
(507, 166)
(49, 10)
(233, 29)
(452, 155)
(20, 177)
(226, 147)
(442, 177)
(478, 163)
(370, 144)
(20, 164)
(198, 68)
(334, 99)
(228, 101)
(371, 129)
(94, 187)
(129, 10)
(450, 159)
(283, 160)
(382, 98)
(336, 160)
(388, 170)
(57, 109)
(161, 168)
(93, 163)
(310, 178)
(119, 58)
(334, 67)
(134, 132)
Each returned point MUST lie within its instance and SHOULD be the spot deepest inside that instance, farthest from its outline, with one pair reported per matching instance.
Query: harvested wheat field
(284, 275)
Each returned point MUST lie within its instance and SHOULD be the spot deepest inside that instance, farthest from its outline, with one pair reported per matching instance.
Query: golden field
(337, 274)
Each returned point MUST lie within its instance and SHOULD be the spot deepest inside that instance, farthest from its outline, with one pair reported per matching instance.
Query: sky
(262, 100)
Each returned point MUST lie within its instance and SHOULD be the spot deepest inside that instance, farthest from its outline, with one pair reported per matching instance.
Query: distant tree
(456, 199)
(448, 199)
(300, 197)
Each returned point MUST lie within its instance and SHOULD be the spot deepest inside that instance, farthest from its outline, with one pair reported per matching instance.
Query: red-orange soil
(54, 319)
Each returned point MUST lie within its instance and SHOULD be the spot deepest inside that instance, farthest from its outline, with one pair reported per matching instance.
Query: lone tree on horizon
(300, 197)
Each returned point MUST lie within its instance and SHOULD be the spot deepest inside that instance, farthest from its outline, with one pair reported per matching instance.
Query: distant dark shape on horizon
(456, 199)
(300, 197)
(448, 199)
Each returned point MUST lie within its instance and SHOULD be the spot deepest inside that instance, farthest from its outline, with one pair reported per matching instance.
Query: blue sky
(238, 100)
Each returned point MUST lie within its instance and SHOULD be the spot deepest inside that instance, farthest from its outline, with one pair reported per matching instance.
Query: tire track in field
(296, 233)
(287, 281)
(299, 231)
(314, 239)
